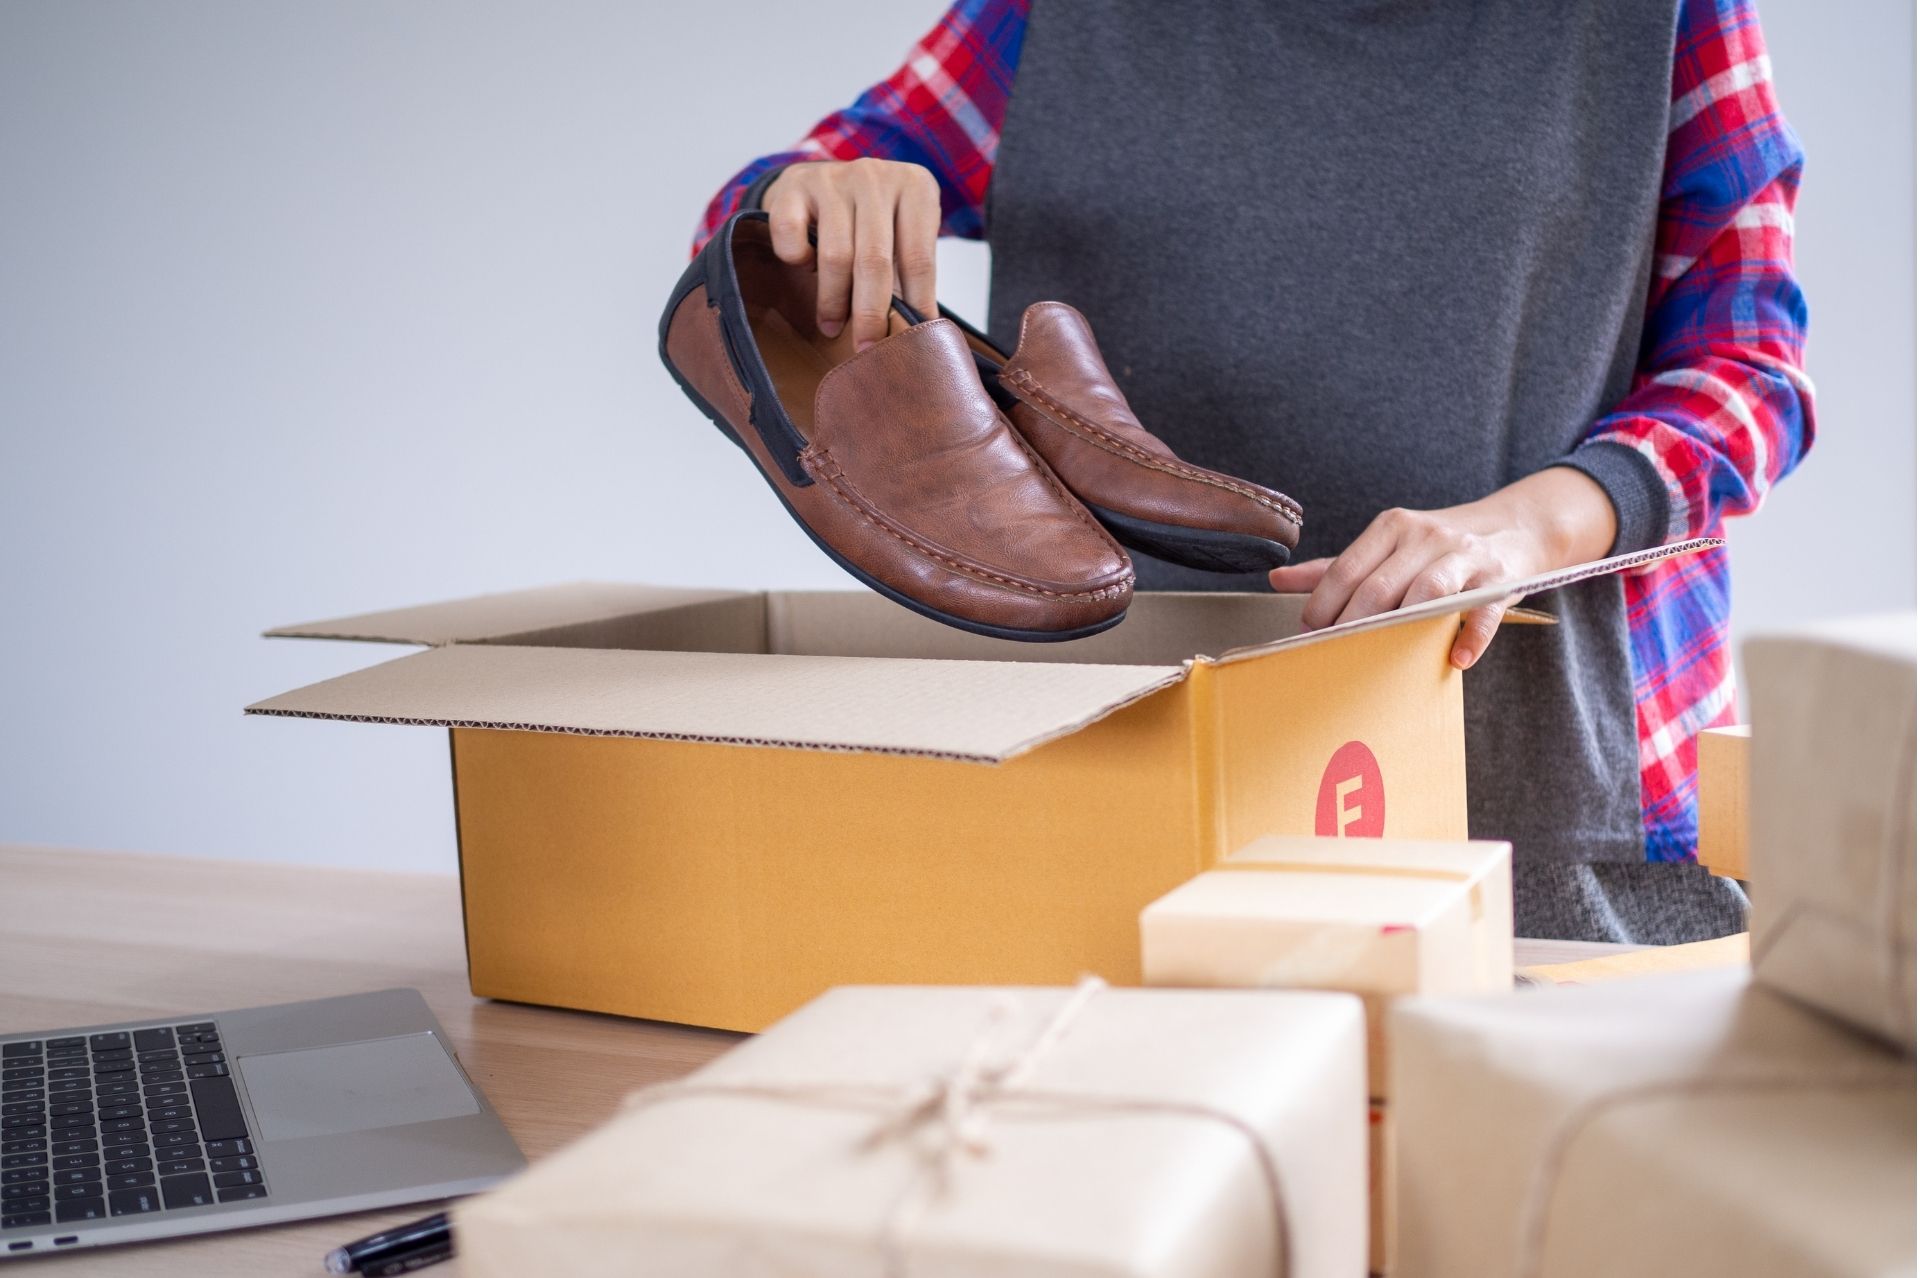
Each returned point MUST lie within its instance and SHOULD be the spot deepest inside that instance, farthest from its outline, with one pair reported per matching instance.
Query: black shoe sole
(1201, 548)
(879, 587)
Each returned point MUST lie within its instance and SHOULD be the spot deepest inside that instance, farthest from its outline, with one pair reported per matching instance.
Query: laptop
(187, 1125)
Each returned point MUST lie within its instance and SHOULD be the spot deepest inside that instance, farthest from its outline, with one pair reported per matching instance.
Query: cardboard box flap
(1505, 593)
(1163, 628)
(500, 617)
(980, 711)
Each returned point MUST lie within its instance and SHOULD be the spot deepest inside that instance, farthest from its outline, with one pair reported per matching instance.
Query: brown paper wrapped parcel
(960, 1132)
(1690, 1124)
(1832, 818)
(1373, 917)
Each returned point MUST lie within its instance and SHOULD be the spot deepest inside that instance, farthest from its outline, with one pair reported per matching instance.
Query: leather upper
(1075, 415)
(906, 431)
(906, 469)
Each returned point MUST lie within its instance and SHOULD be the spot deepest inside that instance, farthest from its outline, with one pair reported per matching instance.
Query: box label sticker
(1353, 799)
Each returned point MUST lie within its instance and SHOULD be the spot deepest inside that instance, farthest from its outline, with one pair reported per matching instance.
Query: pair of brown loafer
(900, 464)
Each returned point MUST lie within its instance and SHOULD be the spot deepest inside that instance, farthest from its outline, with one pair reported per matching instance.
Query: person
(1491, 286)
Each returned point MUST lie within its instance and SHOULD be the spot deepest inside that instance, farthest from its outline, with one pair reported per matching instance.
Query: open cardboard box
(709, 806)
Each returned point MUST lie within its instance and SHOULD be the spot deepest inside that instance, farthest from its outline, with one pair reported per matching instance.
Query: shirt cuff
(757, 189)
(1642, 507)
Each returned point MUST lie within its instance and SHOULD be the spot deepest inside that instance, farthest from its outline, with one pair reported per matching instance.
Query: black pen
(407, 1261)
(396, 1251)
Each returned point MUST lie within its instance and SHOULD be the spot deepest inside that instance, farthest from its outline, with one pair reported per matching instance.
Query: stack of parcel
(711, 807)
(1718, 1122)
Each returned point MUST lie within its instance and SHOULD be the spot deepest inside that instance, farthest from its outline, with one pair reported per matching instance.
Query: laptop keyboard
(120, 1124)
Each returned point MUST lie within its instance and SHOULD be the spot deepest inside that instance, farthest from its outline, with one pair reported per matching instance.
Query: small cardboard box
(1833, 818)
(709, 806)
(1375, 917)
(1724, 762)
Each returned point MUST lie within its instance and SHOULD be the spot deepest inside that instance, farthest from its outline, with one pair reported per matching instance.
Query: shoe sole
(879, 587)
(1202, 548)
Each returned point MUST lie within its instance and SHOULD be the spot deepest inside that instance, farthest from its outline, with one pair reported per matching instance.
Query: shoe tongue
(924, 375)
(1058, 364)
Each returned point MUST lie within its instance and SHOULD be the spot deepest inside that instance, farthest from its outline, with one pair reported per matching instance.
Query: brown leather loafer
(895, 460)
(1064, 402)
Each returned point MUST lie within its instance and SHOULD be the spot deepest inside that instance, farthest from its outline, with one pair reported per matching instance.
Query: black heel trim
(713, 267)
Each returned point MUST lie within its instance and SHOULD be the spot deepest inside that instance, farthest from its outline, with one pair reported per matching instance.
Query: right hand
(876, 222)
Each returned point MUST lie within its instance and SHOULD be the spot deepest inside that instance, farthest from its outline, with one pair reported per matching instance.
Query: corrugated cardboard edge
(550, 607)
(1504, 593)
(820, 747)
(452, 621)
(1087, 721)
(542, 609)
(1173, 675)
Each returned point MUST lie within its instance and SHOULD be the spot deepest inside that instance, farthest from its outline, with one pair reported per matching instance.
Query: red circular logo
(1353, 798)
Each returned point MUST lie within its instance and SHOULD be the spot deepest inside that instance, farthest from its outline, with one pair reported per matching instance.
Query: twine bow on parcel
(945, 1118)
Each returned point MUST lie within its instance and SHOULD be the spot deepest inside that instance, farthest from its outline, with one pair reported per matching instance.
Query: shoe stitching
(822, 464)
(1024, 384)
(1054, 482)
(1046, 472)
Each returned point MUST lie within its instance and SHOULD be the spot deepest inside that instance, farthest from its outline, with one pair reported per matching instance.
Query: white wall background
(310, 309)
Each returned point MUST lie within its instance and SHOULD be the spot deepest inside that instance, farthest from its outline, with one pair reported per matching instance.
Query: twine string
(944, 1120)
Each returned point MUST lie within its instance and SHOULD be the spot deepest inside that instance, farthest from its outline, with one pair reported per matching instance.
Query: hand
(876, 222)
(1553, 519)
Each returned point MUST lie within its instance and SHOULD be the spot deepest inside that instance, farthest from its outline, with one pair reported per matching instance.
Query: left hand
(1554, 518)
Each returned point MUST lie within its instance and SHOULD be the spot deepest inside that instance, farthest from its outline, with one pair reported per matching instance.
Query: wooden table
(91, 938)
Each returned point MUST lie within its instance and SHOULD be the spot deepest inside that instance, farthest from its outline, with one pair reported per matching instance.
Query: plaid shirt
(1719, 404)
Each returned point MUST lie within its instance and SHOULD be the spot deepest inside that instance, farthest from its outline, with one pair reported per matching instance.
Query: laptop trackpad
(384, 1082)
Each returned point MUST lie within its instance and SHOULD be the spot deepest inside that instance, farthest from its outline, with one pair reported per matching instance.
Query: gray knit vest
(1372, 254)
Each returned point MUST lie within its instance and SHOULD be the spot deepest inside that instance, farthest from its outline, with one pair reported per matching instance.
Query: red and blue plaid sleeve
(942, 109)
(1720, 408)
